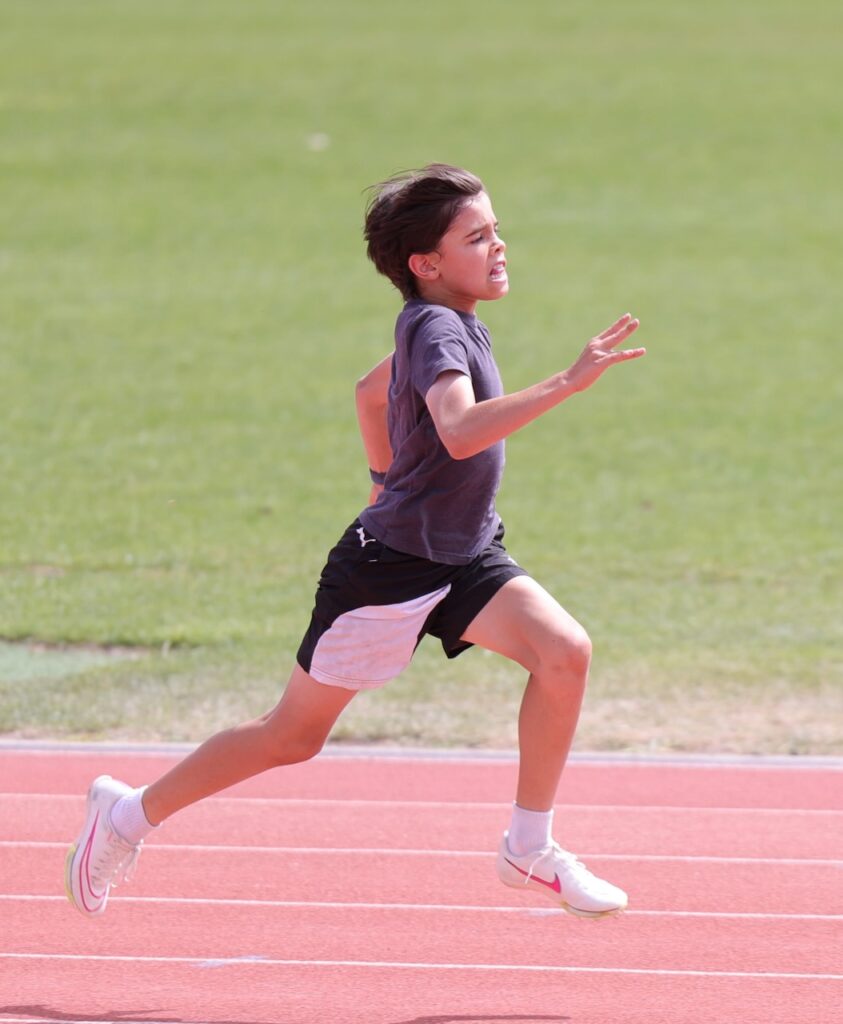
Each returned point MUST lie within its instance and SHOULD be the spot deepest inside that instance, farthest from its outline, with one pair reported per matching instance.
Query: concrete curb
(355, 751)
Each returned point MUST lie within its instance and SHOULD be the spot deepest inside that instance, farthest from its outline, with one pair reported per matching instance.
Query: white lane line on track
(393, 965)
(197, 901)
(346, 851)
(486, 805)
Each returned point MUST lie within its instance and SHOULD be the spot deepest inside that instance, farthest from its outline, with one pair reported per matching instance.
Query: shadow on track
(485, 1018)
(46, 1013)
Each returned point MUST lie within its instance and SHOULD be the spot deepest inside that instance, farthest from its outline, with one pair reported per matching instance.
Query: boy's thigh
(366, 646)
(474, 586)
(307, 707)
(522, 621)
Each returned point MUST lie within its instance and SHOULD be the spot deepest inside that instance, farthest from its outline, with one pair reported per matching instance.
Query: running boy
(426, 556)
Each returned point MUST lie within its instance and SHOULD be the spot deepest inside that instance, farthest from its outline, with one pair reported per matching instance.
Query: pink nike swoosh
(555, 885)
(85, 887)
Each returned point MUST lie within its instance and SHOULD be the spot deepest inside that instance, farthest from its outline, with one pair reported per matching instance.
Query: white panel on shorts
(368, 646)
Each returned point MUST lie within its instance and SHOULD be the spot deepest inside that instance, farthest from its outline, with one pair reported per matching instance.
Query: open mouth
(498, 272)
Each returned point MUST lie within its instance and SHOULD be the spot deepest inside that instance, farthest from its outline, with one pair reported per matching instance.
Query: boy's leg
(295, 730)
(525, 624)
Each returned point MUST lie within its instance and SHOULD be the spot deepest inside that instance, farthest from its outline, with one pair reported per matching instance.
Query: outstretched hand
(601, 353)
(467, 427)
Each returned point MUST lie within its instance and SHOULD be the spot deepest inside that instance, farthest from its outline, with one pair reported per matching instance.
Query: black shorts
(374, 604)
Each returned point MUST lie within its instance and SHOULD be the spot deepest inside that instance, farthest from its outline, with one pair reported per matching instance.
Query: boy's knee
(566, 652)
(307, 748)
(293, 748)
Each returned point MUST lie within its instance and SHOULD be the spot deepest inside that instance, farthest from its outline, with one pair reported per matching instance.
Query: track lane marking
(271, 801)
(198, 961)
(345, 851)
(201, 901)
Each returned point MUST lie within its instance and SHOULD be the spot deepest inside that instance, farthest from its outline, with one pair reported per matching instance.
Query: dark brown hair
(409, 213)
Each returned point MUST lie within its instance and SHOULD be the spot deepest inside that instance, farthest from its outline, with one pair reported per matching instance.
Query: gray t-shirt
(432, 505)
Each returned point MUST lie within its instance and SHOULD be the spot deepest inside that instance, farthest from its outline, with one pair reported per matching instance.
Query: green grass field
(185, 304)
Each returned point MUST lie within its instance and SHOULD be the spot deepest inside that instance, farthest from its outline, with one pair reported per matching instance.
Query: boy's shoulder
(417, 313)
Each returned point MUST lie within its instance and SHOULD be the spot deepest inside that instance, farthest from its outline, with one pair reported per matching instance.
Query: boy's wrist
(377, 476)
(562, 386)
(559, 387)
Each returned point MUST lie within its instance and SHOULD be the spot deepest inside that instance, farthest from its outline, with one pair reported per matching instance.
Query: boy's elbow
(373, 386)
(367, 394)
(457, 446)
(458, 453)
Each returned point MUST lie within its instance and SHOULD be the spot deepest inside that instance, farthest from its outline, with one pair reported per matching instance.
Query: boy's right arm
(371, 400)
(467, 427)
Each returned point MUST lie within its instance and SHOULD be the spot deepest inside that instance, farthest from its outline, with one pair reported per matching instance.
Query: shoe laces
(555, 853)
(117, 861)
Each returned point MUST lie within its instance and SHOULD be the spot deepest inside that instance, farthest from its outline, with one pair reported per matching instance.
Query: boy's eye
(484, 236)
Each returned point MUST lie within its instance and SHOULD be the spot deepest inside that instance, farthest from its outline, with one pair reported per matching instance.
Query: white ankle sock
(529, 830)
(128, 819)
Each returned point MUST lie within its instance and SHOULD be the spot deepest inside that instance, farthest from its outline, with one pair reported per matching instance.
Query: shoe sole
(68, 874)
(591, 915)
(553, 893)
(587, 915)
(70, 860)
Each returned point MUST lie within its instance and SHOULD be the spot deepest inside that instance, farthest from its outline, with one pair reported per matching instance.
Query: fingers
(619, 331)
(616, 326)
(630, 353)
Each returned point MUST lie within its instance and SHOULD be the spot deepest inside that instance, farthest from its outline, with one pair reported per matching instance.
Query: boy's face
(468, 265)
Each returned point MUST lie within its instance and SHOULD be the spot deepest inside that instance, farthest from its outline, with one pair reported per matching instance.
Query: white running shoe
(560, 876)
(99, 858)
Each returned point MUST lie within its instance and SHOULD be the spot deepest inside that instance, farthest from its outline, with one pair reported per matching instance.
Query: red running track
(361, 890)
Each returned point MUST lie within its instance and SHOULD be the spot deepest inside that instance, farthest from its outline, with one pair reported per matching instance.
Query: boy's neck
(440, 297)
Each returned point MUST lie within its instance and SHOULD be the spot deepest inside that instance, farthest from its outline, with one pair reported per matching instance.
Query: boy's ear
(424, 265)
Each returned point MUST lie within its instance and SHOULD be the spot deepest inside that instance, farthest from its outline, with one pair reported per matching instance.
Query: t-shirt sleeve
(438, 344)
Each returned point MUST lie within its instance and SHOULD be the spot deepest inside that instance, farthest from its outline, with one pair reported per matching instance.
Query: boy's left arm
(371, 399)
